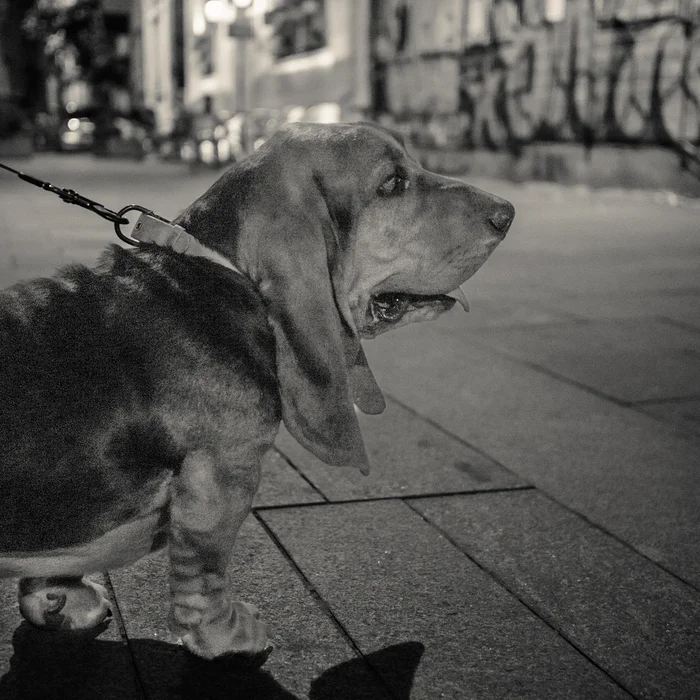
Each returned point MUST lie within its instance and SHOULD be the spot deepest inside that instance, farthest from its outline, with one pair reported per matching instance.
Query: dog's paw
(238, 634)
(63, 603)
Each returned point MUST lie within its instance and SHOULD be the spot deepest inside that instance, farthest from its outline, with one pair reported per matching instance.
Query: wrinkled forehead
(360, 146)
(377, 142)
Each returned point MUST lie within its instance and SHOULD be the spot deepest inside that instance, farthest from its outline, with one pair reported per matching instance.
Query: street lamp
(218, 11)
(223, 11)
(241, 29)
(233, 12)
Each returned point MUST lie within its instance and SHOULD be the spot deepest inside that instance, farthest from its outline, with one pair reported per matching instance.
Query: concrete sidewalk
(531, 528)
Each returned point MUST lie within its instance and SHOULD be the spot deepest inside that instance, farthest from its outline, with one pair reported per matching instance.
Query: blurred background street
(603, 92)
(531, 526)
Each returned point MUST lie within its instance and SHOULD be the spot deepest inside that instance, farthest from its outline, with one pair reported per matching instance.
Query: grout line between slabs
(685, 325)
(619, 540)
(508, 354)
(542, 369)
(380, 499)
(568, 508)
(323, 605)
(671, 399)
(291, 463)
(591, 524)
(407, 499)
(495, 577)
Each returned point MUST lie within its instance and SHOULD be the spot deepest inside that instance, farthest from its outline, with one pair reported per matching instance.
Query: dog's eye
(393, 185)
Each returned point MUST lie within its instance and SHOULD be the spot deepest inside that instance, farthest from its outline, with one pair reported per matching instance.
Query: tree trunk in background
(5, 89)
(20, 80)
(101, 57)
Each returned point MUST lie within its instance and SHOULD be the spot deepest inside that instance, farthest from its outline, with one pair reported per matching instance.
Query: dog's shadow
(48, 665)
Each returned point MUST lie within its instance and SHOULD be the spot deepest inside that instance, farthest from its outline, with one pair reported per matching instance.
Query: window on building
(299, 26)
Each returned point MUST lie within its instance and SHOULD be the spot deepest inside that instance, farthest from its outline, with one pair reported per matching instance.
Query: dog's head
(346, 236)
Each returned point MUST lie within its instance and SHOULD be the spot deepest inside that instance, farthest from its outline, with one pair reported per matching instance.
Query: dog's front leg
(209, 503)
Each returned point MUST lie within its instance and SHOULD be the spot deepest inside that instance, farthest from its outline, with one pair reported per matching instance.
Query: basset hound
(138, 397)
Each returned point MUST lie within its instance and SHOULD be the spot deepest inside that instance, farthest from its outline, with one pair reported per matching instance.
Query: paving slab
(592, 258)
(502, 311)
(682, 306)
(587, 245)
(408, 456)
(308, 646)
(625, 471)
(628, 359)
(43, 665)
(281, 484)
(683, 414)
(551, 266)
(391, 578)
(630, 617)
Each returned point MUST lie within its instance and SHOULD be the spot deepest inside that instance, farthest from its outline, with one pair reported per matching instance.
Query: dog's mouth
(391, 309)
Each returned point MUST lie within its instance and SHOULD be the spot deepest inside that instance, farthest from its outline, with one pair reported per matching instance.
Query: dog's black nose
(503, 217)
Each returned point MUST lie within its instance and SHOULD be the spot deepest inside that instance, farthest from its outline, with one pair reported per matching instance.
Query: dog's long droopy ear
(291, 232)
(312, 363)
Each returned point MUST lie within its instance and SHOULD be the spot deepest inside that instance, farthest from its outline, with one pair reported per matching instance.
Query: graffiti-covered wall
(504, 73)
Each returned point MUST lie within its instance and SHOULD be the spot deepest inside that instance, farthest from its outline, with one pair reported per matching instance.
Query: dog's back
(90, 360)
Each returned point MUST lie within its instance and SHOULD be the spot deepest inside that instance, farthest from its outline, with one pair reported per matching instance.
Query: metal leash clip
(146, 214)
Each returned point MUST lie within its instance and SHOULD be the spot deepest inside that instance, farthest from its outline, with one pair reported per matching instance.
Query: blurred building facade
(158, 55)
(455, 74)
(264, 55)
(469, 73)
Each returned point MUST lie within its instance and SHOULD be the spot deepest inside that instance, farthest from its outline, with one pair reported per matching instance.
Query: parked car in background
(124, 134)
(76, 131)
(109, 134)
(66, 131)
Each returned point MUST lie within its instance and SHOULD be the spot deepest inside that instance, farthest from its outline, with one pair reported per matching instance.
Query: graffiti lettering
(628, 11)
(587, 78)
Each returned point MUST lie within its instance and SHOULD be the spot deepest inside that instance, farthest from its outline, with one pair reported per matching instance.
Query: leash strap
(150, 228)
(70, 196)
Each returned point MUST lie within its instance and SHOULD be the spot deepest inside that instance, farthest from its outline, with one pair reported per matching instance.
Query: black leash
(72, 197)
(150, 227)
